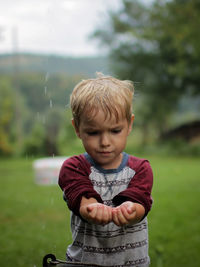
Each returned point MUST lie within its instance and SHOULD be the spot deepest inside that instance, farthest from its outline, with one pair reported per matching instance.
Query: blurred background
(46, 48)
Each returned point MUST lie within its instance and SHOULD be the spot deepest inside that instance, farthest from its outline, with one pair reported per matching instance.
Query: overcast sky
(52, 26)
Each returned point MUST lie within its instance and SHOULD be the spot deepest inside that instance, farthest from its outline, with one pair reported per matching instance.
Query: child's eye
(116, 131)
(92, 133)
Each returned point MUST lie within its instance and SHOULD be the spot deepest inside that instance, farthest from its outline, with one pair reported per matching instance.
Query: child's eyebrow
(90, 128)
(95, 127)
(90, 124)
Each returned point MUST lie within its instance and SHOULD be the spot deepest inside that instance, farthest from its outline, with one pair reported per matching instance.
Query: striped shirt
(108, 245)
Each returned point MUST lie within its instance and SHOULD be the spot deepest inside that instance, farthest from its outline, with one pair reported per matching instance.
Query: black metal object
(50, 261)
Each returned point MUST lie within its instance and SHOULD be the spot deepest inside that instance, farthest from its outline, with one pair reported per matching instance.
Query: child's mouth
(105, 152)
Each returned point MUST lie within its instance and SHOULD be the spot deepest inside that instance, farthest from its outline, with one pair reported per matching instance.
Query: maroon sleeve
(140, 186)
(75, 183)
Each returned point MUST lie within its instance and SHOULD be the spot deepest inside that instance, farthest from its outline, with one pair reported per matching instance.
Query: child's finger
(104, 214)
(92, 213)
(92, 206)
(99, 214)
(130, 206)
(115, 217)
(110, 214)
(118, 217)
(125, 212)
(122, 219)
(107, 215)
(130, 217)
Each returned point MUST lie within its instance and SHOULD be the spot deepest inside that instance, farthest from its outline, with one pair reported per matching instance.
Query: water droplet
(45, 90)
(50, 103)
(46, 77)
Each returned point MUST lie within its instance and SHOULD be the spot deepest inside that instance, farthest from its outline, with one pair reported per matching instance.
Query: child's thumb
(89, 208)
(130, 207)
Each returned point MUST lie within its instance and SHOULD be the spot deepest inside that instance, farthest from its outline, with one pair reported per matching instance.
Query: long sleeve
(140, 186)
(75, 183)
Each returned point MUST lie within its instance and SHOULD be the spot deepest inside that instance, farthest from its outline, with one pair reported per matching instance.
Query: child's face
(104, 139)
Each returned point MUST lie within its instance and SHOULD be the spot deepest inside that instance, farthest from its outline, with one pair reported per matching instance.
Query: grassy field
(34, 219)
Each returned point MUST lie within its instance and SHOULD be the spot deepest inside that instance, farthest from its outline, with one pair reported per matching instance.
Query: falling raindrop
(46, 77)
(50, 103)
(45, 90)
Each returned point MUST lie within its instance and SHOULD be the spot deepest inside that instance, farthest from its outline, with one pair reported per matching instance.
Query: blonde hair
(107, 93)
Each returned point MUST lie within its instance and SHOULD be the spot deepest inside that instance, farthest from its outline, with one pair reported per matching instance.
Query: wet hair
(106, 93)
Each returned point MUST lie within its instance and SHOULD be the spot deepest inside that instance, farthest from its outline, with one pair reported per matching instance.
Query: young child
(107, 190)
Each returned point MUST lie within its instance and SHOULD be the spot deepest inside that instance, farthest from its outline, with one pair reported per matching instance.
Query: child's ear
(75, 128)
(131, 123)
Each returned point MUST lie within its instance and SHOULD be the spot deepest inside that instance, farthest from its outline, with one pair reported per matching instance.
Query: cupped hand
(125, 214)
(96, 213)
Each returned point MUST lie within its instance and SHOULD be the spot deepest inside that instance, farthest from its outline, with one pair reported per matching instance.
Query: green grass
(34, 219)
(174, 222)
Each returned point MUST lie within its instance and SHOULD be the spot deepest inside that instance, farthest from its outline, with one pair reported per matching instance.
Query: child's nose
(104, 141)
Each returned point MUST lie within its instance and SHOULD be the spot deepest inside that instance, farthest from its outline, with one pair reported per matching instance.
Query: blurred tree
(54, 118)
(46, 100)
(67, 137)
(44, 134)
(60, 86)
(176, 30)
(34, 143)
(32, 86)
(7, 107)
(13, 117)
(158, 47)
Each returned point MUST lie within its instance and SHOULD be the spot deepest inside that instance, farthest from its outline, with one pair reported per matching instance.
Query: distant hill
(10, 63)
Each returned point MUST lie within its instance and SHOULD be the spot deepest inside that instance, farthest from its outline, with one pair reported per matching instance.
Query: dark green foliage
(7, 109)
(155, 45)
(35, 143)
(158, 47)
(54, 120)
(34, 92)
(32, 108)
